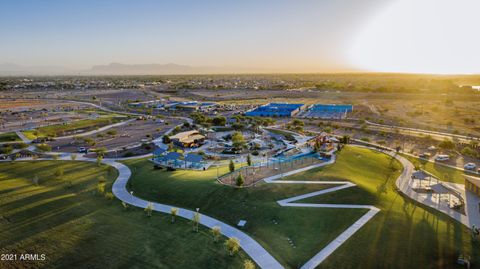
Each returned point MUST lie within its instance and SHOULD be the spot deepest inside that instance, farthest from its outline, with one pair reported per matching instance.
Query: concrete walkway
(248, 244)
(23, 137)
(252, 247)
(404, 184)
(345, 235)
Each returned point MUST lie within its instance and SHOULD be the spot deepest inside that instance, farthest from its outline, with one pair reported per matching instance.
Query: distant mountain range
(11, 69)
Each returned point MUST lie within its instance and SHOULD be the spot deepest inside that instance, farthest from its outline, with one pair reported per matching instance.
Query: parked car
(432, 148)
(425, 155)
(82, 150)
(470, 166)
(442, 157)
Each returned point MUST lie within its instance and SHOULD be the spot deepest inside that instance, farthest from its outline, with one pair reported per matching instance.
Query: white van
(442, 157)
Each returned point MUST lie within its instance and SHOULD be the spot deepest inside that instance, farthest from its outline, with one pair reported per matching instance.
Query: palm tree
(232, 245)
(173, 212)
(216, 232)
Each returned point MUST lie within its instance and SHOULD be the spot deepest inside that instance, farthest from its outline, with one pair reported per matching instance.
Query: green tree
(196, 221)
(345, 139)
(166, 139)
(468, 151)
(149, 209)
(249, 160)
(6, 149)
(447, 144)
(101, 151)
(101, 188)
(173, 212)
(240, 181)
(231, 166)
(219, 121)
(109, 196)
(238, 140)
(99, 160)
(233, 245)
(216, 232)
(59, 172)
(248, 264)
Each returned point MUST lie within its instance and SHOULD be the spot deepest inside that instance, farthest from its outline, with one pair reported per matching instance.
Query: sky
(265, 35)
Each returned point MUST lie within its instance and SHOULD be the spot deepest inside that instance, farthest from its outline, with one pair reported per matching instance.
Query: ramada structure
(188, 139)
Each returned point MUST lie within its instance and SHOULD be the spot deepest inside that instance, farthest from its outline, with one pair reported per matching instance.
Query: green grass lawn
(77, 228)
(442, 172)
(309, 228)
(403, 234)
(62, 129)
(9, 137)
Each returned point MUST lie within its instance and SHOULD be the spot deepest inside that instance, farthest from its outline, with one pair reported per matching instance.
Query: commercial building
(276, 110)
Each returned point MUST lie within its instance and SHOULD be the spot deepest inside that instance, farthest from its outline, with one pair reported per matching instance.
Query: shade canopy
(173, 156)
(193, 158)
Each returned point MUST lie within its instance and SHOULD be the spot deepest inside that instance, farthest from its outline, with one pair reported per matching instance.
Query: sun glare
(427, 36)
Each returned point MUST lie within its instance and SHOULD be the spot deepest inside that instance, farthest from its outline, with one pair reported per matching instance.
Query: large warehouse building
(276, 110)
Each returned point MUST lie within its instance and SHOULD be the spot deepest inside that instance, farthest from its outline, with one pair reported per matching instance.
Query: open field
(9, 137)
(75, 227)
(72, 127)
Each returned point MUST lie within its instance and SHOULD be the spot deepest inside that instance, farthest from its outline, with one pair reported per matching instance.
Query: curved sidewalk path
(403, 183)
(318, 258)
(248, 244)
(252, 247)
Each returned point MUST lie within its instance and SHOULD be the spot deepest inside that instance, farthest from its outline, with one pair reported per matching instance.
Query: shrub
(7, 149)
(128, 154)
(468, 151)
(447, 144)
(232, 245)
(59, 172)
(109, 196)
(112, 132)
